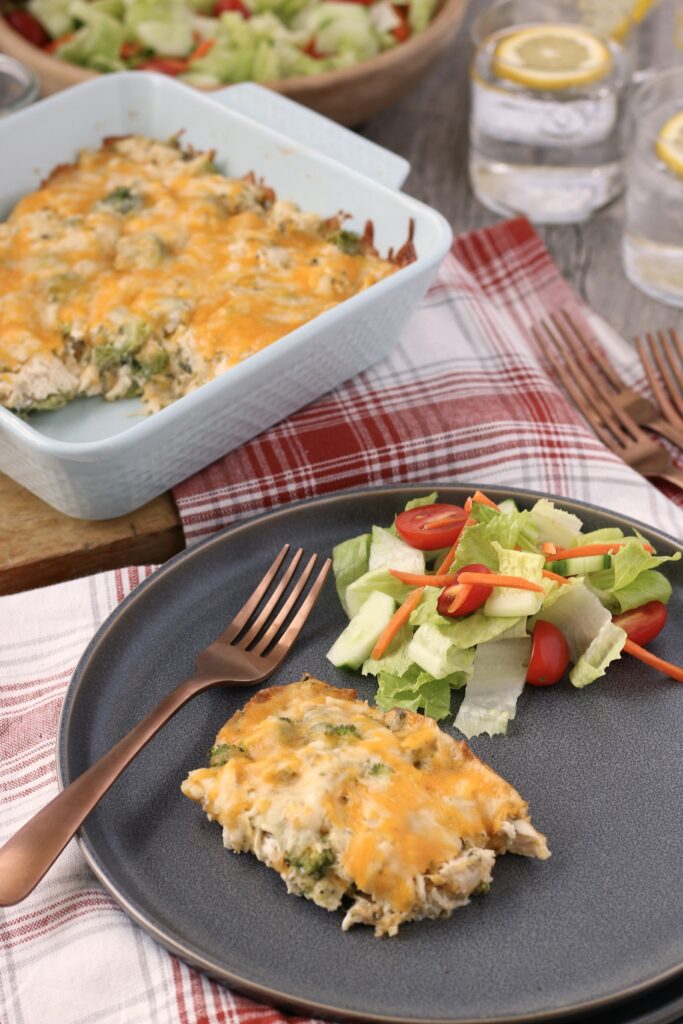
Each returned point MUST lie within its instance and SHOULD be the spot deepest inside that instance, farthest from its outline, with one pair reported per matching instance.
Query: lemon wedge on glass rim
(669, 143)
(552, 56)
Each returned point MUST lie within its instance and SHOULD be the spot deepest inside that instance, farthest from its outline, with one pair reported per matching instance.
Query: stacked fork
(615, 411)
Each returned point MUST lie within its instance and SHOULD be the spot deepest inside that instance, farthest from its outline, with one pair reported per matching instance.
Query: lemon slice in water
(670, 143)
(552, 56)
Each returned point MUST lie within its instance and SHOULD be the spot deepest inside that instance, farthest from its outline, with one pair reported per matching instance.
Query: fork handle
(26, 857)
(673, 478)
(665, 429)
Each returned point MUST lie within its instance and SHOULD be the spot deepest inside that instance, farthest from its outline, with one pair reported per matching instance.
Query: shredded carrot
(593, 549)
(53, 46)
(493, 579)
(675, 671)
(554, 576)
(447, 562)
(398, 620)
(548, 549)
(202, 48)
(129, 50)
(458, 601)
(468, 505)
(483, 499)
(417, 580)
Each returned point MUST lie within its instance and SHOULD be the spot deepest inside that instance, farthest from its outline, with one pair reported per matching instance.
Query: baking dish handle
(312, 129)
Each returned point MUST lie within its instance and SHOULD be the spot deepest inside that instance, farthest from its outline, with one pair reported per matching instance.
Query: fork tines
(662, 359)
(582, 371)
(259, 622)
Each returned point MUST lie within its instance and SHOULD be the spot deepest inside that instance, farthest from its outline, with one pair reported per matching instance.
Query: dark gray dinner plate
(594, 933)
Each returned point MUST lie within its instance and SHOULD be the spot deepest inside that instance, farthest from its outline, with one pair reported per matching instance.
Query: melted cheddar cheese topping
(140, 269)
(345, 801)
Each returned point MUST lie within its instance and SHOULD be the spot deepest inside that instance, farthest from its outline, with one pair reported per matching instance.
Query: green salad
(212, 42)
(489, 597)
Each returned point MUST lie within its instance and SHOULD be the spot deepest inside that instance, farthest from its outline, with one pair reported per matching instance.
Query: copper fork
(248, 651)
(593, 362)
(615, 427)
(662, 360)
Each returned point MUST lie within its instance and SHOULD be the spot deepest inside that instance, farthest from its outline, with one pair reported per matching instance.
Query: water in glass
(653, 234)
(545, 126)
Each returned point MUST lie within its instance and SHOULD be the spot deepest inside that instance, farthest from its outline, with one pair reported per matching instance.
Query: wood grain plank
(39, 545)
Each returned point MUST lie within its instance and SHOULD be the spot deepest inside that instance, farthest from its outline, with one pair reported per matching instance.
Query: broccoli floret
(310, 862)
(223, 752)
(348, 241)
(122, 200)
(341, 730)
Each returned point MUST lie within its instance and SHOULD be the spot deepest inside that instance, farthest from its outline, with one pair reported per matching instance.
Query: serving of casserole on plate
(97, 459)
(382, 811)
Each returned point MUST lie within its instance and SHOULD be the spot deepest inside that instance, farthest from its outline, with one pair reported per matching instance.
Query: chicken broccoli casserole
(381, 812)
(141, 270)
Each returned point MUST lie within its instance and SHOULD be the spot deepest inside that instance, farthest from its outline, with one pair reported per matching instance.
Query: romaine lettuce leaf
(509, 530)
(416, 689)
(388, 551)
(435, 652)
(53, 15)
(469, 631)
(379, 579)
(490, 700)
(603, 536)
(593, 640)
(554, 524)
(349, 561)
(97, 44)
(648, 586)
(396, 661)
(427, 499)
(632, 559)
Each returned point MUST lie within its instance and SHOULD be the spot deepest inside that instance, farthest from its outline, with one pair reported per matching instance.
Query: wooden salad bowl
(349, 96)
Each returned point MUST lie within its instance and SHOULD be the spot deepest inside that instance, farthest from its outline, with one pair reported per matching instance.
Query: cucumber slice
(506, 603)
(580, 566)
(355, 644)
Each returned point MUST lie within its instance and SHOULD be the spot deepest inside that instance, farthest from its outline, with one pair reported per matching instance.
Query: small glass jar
(18, 85)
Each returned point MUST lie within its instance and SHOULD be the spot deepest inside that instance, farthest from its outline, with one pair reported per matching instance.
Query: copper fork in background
(249, 650)
(593, 362)
(662, 360)
(615, 427)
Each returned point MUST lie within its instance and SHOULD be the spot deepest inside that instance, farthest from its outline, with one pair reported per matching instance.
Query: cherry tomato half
(479, 592)
(231, 5)
(549, 655)
(644, 623)
(430, 527)
(27, 26)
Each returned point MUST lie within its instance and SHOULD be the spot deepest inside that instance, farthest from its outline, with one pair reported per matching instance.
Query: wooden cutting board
(39, 545)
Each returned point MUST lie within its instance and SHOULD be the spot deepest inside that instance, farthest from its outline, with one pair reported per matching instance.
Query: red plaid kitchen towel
(68, 953)
(465, 396)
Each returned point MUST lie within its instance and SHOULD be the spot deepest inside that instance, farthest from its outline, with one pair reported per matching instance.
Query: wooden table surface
(429, 127)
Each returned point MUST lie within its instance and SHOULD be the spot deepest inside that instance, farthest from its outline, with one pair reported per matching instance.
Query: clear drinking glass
(549, 144)
(653, 227)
